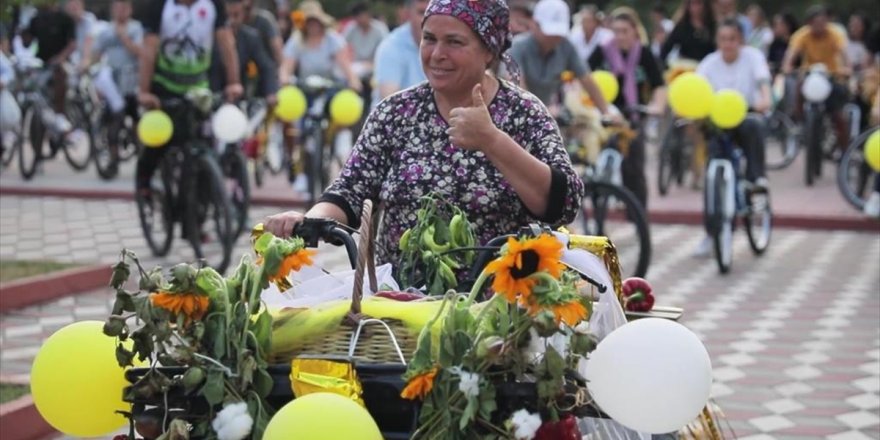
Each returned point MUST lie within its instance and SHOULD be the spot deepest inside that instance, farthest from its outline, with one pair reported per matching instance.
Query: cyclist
(120, 44)
(728, 10)
(641, 81)
(692, 38)
(250, 49)
(55, 34)
(545, 53)
(264, 22)
(175, 59)
(820, 42)
(590, 35)
(397, 60)
(85, 33)
(320, 51)
(363, 36)
(742, 68)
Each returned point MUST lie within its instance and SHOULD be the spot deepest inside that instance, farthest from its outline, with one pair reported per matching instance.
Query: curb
(786, 221)
(20, 420)
(42, 288)
(105, 194)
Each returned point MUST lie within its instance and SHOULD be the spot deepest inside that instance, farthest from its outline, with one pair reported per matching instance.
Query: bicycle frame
(727, 162)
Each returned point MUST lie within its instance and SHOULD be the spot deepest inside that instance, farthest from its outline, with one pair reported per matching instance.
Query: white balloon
(816, 87)
(651, 375)
(229, 124)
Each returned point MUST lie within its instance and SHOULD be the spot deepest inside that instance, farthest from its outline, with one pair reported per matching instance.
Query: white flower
(233, 422)
(525, 424)
(469, 384)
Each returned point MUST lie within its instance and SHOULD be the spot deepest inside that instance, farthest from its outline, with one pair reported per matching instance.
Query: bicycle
(36, 131)
(265, 143)
(609, 209)
(189, 188)
(317, 136)
(676, 155)
(233, 164)
(855, 179)
(728, 198)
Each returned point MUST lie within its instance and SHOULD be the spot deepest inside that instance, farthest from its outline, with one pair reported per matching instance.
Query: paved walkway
(794, 335)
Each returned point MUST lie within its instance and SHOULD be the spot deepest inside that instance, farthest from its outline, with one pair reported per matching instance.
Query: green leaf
(192, 379)
(555, 362)
(247, 365)
(262, 329)
(143, 344)
(123, 357)
(213, 390)
(263, 383)
(121, 272)
(262, 243)
(215, 329)
(470, 411)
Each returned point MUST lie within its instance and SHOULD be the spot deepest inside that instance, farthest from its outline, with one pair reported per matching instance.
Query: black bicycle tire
(132, 143)
(29, 114)
(315, 163)
(636, 214)
(216, 194)
(234, 167)
(110, 169)
(665, 165)
(259, 172)
(165, 196)
(757, 248)
(86, 120)
(788, 157)
(844, 167)
(719, 223)
(813, 145)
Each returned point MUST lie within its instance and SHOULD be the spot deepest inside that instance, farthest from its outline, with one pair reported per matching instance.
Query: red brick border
(104, 194)
(20, 420)
(34, 290)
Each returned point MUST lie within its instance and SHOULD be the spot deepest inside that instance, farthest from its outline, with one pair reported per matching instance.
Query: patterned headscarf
(489, 19)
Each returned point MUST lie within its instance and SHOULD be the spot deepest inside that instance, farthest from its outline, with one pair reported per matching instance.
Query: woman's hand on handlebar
(282, 225)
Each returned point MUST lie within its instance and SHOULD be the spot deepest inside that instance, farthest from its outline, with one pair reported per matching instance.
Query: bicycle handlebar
(313, 230)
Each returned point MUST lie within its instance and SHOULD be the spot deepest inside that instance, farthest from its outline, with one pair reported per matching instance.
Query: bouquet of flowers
(526, 341)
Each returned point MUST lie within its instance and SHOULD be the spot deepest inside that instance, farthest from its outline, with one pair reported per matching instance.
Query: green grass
(15, 269)
(10, 392)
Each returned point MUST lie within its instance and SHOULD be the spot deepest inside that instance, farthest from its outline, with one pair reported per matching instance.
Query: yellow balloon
(322, 416)
(291, 104)
(76, 382)
(155, 128)
(690, 96)
(872, 151)
(729, 109)
(607, 83)
(346, 108)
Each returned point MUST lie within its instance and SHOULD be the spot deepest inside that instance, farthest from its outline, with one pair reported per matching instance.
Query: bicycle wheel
(813, 127)
(668, 162)
(720, 229)
(854, 176)
(9, 144)
(234, 166)
(276, 158)
(157, 211)
(30, 144)
(613, 211)
(758, 221)
(782, 142)
(79, 144)
(106, 154)
(314, 147)
(208, 216)
(129, 145)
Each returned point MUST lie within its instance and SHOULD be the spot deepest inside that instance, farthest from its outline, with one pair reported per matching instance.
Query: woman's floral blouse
(404, 153)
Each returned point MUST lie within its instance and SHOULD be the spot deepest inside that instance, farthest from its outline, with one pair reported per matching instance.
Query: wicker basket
(364, 339)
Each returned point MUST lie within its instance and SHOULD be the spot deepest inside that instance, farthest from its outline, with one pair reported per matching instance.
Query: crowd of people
(242, 50)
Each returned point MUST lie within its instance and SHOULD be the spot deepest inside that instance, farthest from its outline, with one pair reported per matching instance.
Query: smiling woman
(481, 143)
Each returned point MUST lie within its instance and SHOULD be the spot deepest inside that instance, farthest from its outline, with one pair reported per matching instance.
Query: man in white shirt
(744, 69)
(590, 34)
(398, 65)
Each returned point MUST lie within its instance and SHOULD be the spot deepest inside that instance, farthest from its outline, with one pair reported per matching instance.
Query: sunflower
(419, 386)
(513, 270)
(292, 263)
(192, 305)
(570, 312)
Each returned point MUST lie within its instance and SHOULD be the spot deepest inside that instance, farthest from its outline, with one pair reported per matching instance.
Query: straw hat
(313, 9)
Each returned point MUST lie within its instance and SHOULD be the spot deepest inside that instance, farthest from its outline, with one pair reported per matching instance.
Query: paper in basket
(312, 287)
(325, 375)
